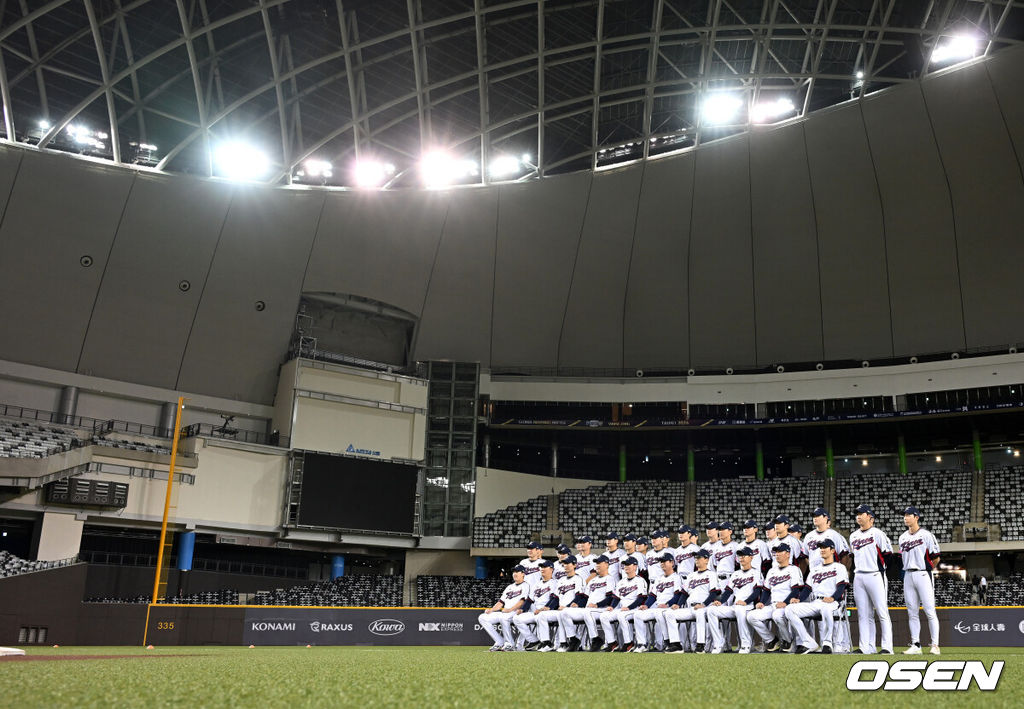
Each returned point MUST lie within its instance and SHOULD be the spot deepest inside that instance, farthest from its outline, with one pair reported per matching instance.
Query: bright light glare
(956, 48)
(504, 165)
(318, 168)
(240, 161)
(439, 169)
(766, 111)
(44, 125)
(84, 136)
(372, 173)
(860, 74)
(721, 108)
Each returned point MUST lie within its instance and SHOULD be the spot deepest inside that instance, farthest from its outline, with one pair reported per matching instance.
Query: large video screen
(352, 493)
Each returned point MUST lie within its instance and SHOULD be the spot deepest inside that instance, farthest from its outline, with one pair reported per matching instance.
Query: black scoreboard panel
(92, 493)
(356, 493)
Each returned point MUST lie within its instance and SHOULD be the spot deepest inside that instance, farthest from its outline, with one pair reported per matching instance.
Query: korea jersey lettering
(814, 537)
(559, 571)
(654, 570)
(628, 590)
(585, 565)
(796, 549)
(599, 588)
(665, 588)
(567, 589)
(824, 579)
(743, 583)
(724, 558)
(614, 560)
(685, 562)
(918, 550)
(641, 561)
(780, 582)
(532, 570)
(761, 553)
(699, 585)
(711, 547)
(867, 547)
(541, 591)
(514, 593)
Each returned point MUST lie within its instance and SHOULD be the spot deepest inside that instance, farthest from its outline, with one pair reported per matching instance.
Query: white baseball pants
(870, 592)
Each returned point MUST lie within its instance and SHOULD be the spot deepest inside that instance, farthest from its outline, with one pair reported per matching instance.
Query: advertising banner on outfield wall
(984, 627)
(385, 626)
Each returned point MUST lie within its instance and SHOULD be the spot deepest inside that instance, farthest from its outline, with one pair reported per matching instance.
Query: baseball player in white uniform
(503, 612)
(742, 590)
(584, 559)
(563, 552)
(599, 592)
(797, 531)
(631, 592)
(659, 547)
(685, 562)
(869, 546)
(723, 557)
(542, 597)
(629, 544)
(826, 585)
(770, 535)
(534, 552)
(614, 554)
(782, 585)
(782, 536)
(823, 530)
(762, 559)
(699, 590)
(711, 529)
(919, 551)
(569, 590)
(665, 594)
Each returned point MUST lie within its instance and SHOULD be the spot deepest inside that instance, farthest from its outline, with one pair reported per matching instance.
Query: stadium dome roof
(511, 89)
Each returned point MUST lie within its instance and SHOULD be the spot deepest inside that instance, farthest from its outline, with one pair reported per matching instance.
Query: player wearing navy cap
(762, 559)
(659, 546)
(614, 554)
(782, 536)
(600, 593)
(570, 595)
(665, 595)
(742, 590)
(584, 559)
(782, 586)
(711, 529)
(684, 559)
(797, 531)
(870, 547)
(919, 551)
(826, 586)
(630, 593)
(723, 558)
(542, 597)
(822, 530)
(534, 552)
(563, 551)
(699, 590)
(503, 612)
(770, 535)
(629, 544)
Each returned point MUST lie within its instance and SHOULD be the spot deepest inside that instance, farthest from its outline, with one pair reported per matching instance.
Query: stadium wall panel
(1006, 72)
(497, 489)
(332, 427)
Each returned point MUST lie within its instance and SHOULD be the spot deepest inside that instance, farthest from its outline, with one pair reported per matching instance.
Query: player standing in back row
(920, 553)
(869, 546)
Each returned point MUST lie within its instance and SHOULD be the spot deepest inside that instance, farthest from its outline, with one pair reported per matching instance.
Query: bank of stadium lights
(721, 108)
(955, 49)
(236, 160)
(504, 166)
(368, 174)
(768, 111)
(85, 137)
(440, 169)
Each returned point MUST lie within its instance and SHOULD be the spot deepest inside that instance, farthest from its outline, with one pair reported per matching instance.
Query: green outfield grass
(465, 677)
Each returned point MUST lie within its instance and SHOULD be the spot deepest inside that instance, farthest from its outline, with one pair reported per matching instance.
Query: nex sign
(908, 675)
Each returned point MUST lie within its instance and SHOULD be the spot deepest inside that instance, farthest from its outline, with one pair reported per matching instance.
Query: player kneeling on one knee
(782, 586)
(826, 586)
(630, 591)
(542, 598)
(699, 589)
(742, 590)
(502, 613)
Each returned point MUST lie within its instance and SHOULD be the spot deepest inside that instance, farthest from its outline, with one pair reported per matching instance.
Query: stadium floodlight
(368, 174)
(767, 111)
(439, 169)
(721, 108)
(505, 166)
(237, 160)
(318, 168)
(44, 124)
(955, 49)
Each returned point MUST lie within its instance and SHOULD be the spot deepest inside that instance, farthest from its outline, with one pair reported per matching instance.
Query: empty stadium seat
(512, 526)
(1004, 499)
(634, 506)
(738, 499)
(458, 591)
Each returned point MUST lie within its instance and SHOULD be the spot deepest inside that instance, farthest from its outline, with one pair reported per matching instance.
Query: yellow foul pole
(167, 497)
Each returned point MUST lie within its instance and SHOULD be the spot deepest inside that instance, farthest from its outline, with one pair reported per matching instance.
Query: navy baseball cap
(644, 540)
(629, 561)
(912, 511)
(545, 565)
(724, 525)
(865, 509)
(826, 543)
(819, 512)
(667, 557)
(744, 551)
(585, 539)
(782, 519)
(795, 528)
(520, 568)
(770, 524)
(602, 559)
(658, 533)
(569, 560)
(611, 535)
(751, 523)
(703, 553)
(693, 531)
(534, 545)
(711, 525)
(562, 549)
(629, 537)
(782, 548)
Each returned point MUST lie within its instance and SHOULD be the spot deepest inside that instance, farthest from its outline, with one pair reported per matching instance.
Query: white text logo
(387, 626)
(908, 675)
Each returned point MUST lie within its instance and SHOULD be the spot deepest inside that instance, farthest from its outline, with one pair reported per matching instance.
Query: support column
(759, 461)
(68, 407)
(622, 462)
(979, 463)
(186, 550)
(481, 567)
(167, 415)
(830, 462)
(337, 566)
(691, 464)
(554, 459)
(487, 450)
(901, 448)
